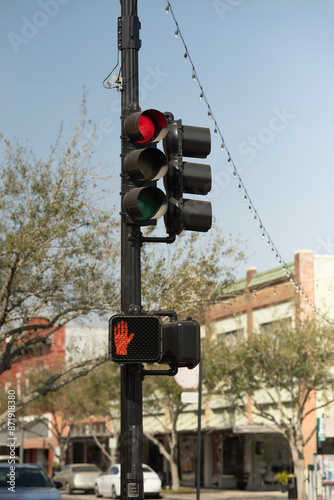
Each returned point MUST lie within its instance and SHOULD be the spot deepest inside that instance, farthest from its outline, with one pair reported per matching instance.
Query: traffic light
(143, 165)
(181, 343)
(186, 177)
(134, 339)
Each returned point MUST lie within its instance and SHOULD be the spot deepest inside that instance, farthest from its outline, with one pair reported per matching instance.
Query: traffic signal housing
(187, 177)
(181, 343)
(145, 339)
(135, 339)
(143, 165)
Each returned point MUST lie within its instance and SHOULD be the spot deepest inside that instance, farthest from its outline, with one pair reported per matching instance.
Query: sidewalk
(228, 495)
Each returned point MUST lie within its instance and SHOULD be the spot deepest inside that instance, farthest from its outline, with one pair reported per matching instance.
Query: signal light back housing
(187, 177)
(181, 343)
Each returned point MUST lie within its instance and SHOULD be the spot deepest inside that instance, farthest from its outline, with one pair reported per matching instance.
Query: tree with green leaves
(277, 370)
(59, 257)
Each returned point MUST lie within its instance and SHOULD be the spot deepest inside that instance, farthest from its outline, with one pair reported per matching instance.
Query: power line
(236, 175)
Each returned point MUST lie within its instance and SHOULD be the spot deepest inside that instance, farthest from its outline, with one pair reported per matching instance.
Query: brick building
(259, 300)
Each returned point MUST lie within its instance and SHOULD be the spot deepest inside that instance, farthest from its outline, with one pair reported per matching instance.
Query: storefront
(222, 454)
(223, 458)
(249, 452)
(265, 454)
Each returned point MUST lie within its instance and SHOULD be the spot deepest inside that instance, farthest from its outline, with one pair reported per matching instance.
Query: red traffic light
(134, 339)
(145, 127)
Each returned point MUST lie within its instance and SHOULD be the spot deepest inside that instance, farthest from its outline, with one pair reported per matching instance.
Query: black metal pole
(199, 432)
(131, 380)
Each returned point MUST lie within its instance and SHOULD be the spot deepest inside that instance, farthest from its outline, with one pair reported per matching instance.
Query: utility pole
(136, 336)
(131, 378)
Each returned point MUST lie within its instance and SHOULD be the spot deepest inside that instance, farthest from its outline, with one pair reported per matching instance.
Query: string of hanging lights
(236, 175)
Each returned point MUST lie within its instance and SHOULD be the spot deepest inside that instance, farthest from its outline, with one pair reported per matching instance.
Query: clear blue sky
(267, 68)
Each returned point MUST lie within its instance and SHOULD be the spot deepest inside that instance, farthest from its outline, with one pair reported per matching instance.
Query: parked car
(26, 482)
(108, 484)
(78, 477)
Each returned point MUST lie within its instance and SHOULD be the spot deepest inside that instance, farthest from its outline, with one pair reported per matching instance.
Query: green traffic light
(147, 205)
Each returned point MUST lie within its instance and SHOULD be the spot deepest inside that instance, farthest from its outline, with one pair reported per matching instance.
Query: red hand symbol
(121, 338)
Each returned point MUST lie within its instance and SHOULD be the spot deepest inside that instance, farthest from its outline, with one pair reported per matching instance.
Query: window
(99, 427)
(232, 338)
(217, 454)
(272, 326)
(232, 454)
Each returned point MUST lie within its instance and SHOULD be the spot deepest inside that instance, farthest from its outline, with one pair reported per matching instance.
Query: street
(205, 495)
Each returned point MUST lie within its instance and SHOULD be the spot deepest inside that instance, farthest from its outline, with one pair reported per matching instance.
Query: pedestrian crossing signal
(134, 339)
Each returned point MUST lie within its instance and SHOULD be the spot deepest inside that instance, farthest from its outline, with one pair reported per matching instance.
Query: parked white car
(78, 477)
(108, 484)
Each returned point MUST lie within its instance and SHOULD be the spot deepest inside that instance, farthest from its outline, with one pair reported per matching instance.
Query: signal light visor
(144, 165)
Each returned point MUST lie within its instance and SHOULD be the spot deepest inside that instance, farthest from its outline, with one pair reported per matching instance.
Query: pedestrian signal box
(181, 343)
(135, 339)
